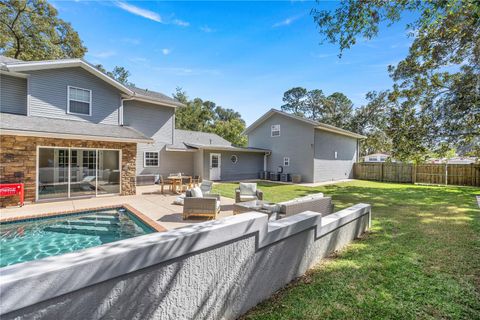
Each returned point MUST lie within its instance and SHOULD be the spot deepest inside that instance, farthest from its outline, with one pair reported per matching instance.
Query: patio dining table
(177, 182)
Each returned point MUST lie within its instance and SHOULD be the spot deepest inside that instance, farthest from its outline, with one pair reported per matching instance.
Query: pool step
(100, 223)
(87, 230)
(101, 217)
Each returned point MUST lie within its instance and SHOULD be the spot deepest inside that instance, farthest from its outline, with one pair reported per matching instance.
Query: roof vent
(210, 141)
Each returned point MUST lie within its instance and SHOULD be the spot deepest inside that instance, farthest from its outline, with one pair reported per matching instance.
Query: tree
(372, 120)
(206, 116)
(31, 30)
(294, 100)
(337, 111)
(314, 104)
(118, 73)
(437, 84)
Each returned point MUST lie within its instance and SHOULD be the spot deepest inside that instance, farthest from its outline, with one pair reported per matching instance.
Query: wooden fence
(452, 174)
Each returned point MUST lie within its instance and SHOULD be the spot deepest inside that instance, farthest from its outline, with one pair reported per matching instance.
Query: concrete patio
(149, 201)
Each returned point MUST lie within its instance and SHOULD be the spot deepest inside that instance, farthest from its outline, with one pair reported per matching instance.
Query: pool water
(39, 238)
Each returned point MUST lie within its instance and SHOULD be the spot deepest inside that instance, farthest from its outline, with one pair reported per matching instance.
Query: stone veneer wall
(19, 154)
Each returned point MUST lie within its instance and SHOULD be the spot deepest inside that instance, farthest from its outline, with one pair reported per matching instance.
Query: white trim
(145, 159)
(70, 136)
(286, 161)
(236, 158)
(219, 156)
(29, 97)
(14, 74)
(68, 101)
(163, 103)
(272, 130)
(316, 124)
(67, 63)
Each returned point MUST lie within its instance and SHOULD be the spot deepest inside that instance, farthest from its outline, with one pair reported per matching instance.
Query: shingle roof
(152, 94)
(185, 138)
(40, 126)
(4, 59)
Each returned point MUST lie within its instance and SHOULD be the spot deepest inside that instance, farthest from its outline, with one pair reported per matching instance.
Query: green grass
(421, 259)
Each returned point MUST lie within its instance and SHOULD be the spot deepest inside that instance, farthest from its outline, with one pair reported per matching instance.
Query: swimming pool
(38, 238)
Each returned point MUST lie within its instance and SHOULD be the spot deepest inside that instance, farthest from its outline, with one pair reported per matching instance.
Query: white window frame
(68, 101)
(236, 159)
(286, 161)
(145, 159)
(272, 130)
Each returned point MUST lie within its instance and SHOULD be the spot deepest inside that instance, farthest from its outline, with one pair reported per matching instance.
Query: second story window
(275, 130)
(79, 101)
(286, 162)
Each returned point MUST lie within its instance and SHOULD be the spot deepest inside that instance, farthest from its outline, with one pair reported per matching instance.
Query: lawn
(421, 259)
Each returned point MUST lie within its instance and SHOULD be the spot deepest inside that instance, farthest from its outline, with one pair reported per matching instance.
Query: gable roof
(315, 124)
(186, 140)
(67, 129)
(131, 92)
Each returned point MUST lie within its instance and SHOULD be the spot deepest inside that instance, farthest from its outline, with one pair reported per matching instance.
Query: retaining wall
(213, 270)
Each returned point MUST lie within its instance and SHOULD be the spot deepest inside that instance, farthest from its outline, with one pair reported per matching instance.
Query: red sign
(12, 189)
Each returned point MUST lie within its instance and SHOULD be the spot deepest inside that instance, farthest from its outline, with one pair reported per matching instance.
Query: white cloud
(207, 29)
(285, 22)
(139, 11)
(180, 23)
(103, 54)
(166, 51)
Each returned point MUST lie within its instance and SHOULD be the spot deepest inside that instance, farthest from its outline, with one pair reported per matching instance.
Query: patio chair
(247, 192)
(206, 186)
(198, 204)
(165, 183)
(186, 183)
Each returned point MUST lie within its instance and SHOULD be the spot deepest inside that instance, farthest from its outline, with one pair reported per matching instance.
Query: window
(286, 162)
(383, 159)
(79, 101)
(372, 159)
(150, 159)
(234, 159)
(275, 130)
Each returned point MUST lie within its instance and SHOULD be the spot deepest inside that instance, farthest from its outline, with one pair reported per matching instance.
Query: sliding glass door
(108, 171)
(83, 177)
(71, 172)
(52, 173)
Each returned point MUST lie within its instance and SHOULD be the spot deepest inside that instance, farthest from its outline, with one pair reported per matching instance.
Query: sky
(240, 55)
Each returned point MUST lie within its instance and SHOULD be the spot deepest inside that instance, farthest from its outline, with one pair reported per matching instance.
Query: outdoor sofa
(315, 202)
(197, 203)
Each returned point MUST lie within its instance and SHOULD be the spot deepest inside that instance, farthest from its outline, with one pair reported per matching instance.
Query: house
(376, 157)
(69, 130)
(316, 151)
(454, 160)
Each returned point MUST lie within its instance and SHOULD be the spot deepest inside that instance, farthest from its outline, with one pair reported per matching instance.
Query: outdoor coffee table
(258, 206)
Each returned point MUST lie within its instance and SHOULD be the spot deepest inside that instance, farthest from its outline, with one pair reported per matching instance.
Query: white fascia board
(67, 63)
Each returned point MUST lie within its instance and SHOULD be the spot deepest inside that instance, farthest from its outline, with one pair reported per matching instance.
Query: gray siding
(327, 168)
(248, 166)
(48, 95)
(13, 94)
(156, 122)
(296, 142)
(198, 164)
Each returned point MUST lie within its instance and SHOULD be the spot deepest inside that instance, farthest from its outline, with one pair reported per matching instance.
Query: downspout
(265, 160)
(120, 110)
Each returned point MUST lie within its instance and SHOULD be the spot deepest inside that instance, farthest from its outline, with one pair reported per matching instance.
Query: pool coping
(145, 219)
